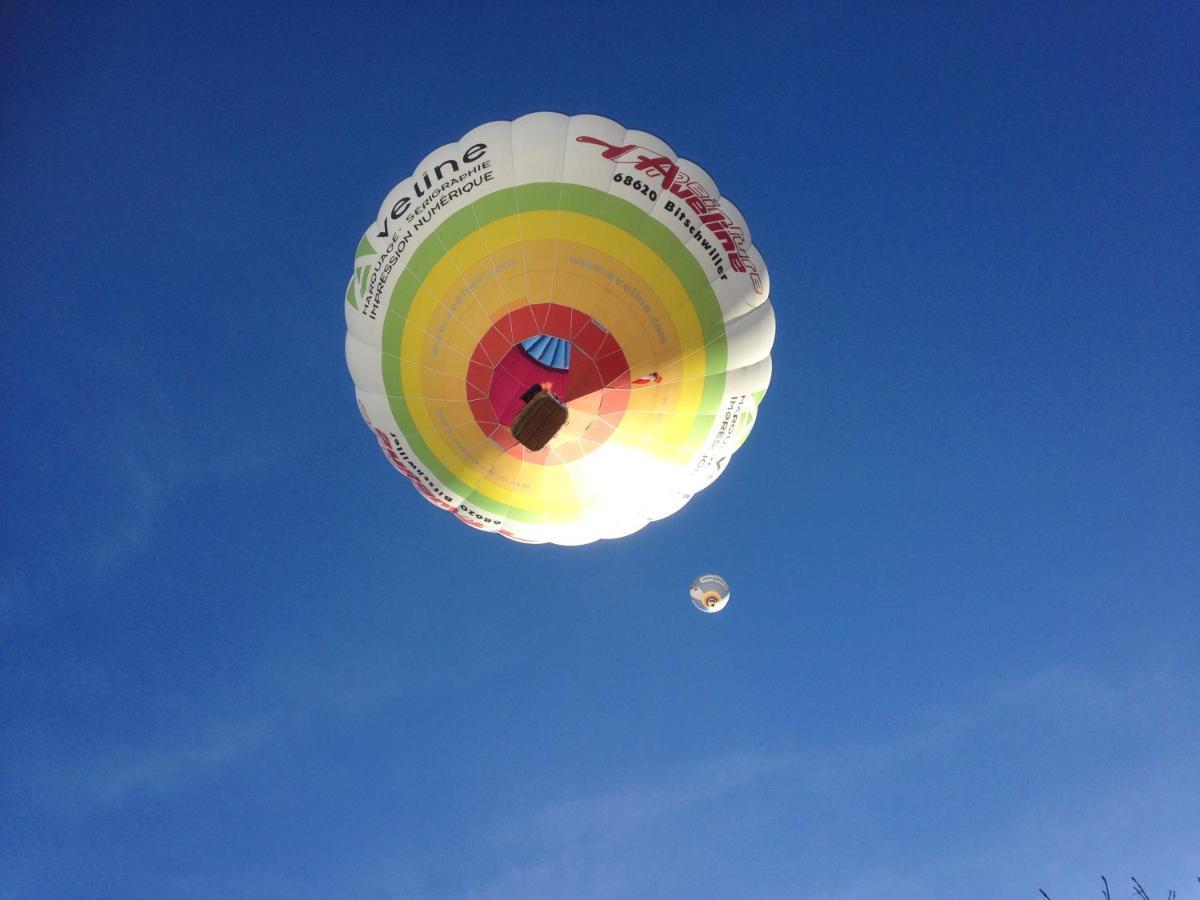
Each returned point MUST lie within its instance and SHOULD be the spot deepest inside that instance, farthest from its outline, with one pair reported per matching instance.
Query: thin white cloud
(1138, 817)
(147, 485)
(615, 816)
(1140, 820)
(290, 694)
(635, 838)
(163, 770)
(154, 468)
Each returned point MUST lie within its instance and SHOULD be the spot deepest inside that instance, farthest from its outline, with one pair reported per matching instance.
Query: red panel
(502, 436)
(607, 346)
(504, 327)
(524, 325)
(480, 406)
(612, 367)
(506, 395)
(579, 321)
(495, 345)
(584, 378)
(589, 339)
(587, 404)
(540, 313)
(621, 382)
(558, 322)
(479, 376)
(613, 402)
(513, 364)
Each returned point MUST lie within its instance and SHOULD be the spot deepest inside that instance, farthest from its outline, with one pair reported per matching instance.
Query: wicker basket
(539, 420)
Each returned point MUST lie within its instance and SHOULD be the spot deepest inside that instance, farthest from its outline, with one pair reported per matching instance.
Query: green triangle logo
(358, 285)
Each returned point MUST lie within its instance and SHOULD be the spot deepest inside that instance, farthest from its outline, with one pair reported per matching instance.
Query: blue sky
(240, 656)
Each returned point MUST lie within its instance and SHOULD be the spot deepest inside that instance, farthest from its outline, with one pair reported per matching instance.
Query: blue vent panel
(551, 352)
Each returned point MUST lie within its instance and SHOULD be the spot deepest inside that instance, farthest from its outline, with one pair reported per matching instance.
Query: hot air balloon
(558, 330)
(710, 593)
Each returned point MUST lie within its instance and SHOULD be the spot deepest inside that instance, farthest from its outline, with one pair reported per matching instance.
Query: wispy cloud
(1135, 814)
(283, 699)
(147, 484)
(1138, 820)
(153, 468)
(579, 847)
(615, 816)
(784, 820)
(165, 769)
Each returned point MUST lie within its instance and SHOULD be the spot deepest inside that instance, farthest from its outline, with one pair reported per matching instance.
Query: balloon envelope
(570, 253)
(710, 593)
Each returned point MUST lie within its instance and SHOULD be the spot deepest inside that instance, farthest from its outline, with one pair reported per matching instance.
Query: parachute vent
(551, 352)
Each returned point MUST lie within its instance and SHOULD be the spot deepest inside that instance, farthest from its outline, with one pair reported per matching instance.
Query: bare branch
(1107, 895)
(1141, 891)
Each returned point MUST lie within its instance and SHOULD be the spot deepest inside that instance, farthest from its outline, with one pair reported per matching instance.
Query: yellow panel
(562, 502)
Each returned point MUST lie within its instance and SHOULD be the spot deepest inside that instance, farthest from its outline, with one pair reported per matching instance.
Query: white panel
(750, 337)
(585, 163)
(539, 143)
(363, 362)
(749, 379)
(494, 157)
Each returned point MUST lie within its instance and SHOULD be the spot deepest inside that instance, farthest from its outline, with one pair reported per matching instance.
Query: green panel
(457, 227)
(543, 195)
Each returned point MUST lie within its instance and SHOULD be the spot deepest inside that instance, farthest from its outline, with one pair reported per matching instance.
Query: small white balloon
(710, 593)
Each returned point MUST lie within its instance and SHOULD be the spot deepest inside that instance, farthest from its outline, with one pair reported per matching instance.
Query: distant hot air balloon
(557, 329)
(710, 593)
